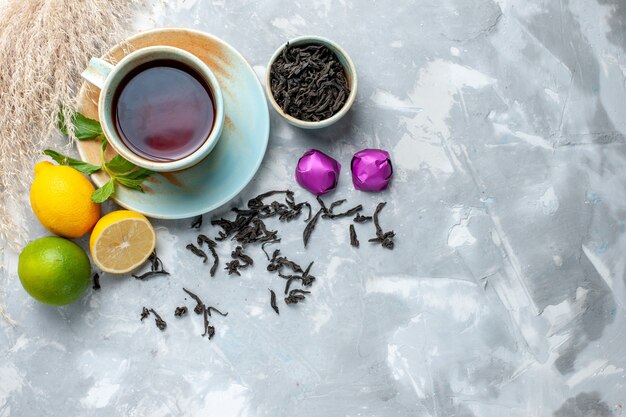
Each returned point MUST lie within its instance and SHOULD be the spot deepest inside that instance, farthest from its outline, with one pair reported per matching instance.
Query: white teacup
(107, 78)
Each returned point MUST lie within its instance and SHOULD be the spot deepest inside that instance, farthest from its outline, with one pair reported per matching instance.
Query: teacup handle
(97, 72)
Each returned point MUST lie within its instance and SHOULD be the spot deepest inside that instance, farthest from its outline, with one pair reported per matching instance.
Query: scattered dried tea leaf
(295, 296)
(362, 219)
(278, 262)
(96, 281)
(307, 278)
(384, 238)
(160, 323)
(198, 252)
(354, 241)
(238, 253)
(347, 213)
(211, 308)
(199, 308)
(306, 235)
(273, 301)
(180, 311)
(156, 268)
(149, 274)
(233, 267)
(212, 245)
(197, 222)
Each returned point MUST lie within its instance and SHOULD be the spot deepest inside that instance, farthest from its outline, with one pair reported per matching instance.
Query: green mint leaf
(120, 165)
(134, 179)
(104, 192)
(138, 174)
(84, 167)
(84, 127)
(130, 183)
(104, 146)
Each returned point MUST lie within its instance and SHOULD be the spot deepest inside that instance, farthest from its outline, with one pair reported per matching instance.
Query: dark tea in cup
(163, 110)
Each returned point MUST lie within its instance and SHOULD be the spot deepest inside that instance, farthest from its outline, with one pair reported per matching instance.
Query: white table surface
(505, 293)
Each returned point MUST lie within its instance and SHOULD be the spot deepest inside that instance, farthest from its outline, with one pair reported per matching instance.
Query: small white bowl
(348, 66)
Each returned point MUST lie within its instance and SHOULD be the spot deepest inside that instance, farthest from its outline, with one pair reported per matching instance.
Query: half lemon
(121, 241)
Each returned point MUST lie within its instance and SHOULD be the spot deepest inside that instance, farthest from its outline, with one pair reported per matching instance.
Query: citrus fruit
(61, 199)
(121, 241)
(54, 270)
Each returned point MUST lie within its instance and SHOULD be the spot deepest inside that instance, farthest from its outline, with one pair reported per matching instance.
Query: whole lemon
(61, 199)
(54, 270)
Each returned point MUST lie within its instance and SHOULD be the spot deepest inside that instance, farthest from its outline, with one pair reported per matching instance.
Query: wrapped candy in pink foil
(371, 170)
(317, 172)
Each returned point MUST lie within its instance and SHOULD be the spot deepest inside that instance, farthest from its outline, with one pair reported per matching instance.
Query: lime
(54, 270)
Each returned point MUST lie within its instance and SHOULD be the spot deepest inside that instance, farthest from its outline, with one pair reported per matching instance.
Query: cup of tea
(160, 107)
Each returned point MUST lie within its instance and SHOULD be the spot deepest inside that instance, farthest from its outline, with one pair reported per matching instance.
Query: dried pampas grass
(44, 46)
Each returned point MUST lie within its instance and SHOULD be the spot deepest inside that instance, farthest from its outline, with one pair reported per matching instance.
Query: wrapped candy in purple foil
(317, 172)
(371, 170)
